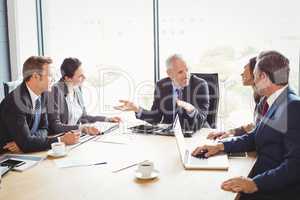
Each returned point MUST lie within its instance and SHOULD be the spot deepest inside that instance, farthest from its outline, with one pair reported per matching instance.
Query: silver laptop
(219, 162)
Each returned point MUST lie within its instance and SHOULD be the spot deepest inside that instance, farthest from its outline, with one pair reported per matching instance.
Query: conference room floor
(48, 181)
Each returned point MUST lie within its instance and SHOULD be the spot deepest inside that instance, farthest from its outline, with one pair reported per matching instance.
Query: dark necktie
(179, 93)
(179, 97)
(265, 108)
(37, 116)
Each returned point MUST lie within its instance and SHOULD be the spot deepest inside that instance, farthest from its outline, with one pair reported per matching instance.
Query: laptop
(219, 162)
(163, 129)
(159, 129)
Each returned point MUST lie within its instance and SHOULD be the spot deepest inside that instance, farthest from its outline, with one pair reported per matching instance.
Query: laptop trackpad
(197, 161)
(217, 161)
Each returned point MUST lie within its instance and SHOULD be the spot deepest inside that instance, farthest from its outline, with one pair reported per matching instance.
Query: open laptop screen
(179, 138)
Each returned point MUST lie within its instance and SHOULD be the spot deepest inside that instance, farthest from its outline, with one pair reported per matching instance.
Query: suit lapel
(63, 90)
(26, 99)
(25, 104)
(280, 101)
(79, 97)
(168, 90)
(187, 91)
(184, 94)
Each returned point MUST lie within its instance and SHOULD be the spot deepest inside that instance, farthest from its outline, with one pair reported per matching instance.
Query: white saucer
(153, 175)
(52, 154)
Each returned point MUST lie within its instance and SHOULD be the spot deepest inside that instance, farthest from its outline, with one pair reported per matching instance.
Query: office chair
(10, 86)
(214, 95)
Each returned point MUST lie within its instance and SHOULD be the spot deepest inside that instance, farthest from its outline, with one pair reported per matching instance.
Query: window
(22, 29)
(221, 36)
(114, 41)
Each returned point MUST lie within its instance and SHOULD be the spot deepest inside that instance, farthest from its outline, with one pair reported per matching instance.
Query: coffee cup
(146, 168)
(58, 148)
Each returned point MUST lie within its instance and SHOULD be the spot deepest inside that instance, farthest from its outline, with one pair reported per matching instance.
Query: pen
(110, 129)
(82, 142)
(85, 165)
(118, 170)
(101, 163)
(110, 142)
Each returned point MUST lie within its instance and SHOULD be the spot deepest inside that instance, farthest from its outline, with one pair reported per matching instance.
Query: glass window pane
(23, 34)
(220, 36)
(114, 41)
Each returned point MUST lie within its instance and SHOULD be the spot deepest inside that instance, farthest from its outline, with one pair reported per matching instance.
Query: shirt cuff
(259, 182)
(139, 113)
(239, 131)
(226, 146)
(192, 114)
(82, 126)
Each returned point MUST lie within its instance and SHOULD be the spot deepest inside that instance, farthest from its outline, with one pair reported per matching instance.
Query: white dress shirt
(33, 96)
(74, 108)
(272, 98)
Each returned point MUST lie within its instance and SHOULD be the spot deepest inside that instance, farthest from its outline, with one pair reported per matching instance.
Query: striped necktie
(37, 116)
(178, 95)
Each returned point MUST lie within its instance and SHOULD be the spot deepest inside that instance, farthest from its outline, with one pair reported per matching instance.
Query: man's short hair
(34, 64)
(169, 61)
(275, 65)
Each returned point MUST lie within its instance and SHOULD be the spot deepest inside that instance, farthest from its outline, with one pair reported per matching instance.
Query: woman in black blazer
(66, 109)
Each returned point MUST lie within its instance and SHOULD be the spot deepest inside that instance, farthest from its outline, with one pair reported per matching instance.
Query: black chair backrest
(214, 95)
(10, 86)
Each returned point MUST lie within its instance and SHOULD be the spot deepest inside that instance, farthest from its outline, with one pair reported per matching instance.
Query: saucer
(52, 154)
(153, 175)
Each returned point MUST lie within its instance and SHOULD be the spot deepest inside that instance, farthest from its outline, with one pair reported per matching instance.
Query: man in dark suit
(177, 94)
(276, 138)
(23, 113)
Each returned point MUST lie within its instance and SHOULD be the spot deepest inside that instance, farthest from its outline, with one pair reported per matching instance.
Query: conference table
(119, 149)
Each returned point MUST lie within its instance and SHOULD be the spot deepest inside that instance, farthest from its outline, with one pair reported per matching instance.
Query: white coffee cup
(146, 168)
(58, 148)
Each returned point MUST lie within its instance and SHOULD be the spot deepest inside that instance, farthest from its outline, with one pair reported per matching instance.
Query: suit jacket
(58, 112)
(17, 117)
(276, 140)
(196, 93)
